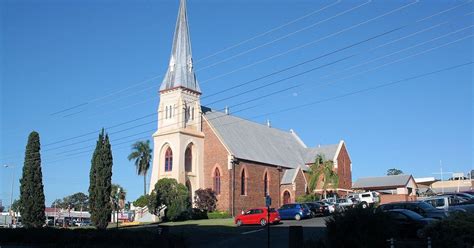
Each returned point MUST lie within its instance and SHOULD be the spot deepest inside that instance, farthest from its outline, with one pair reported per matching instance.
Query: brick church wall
(344, 170)
(215, 156)
(255, 196)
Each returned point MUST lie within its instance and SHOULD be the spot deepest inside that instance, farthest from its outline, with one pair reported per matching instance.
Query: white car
(346, 203)
(365, 199)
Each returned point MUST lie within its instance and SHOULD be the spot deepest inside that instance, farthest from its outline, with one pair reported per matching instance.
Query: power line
(383, 85)
(212, 55)
(155, 113)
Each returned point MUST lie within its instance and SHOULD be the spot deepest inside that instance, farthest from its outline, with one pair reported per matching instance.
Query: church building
(242, 161)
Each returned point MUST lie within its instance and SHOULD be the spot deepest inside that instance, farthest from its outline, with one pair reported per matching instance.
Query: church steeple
(180, 70)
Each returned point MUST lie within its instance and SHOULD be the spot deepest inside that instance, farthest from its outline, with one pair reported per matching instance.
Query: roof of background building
(381, 182)
(257, 142)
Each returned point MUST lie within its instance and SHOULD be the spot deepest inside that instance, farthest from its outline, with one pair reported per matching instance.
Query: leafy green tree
(322, 170)
(393, 172)
(31, 185)
(168, 192)
(141, 153)
(77, 201)
(308, 198)
(205, 200)
(100, 185)
(142, 201)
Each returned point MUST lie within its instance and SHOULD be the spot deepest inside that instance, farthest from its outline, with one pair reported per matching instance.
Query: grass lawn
(208, 222)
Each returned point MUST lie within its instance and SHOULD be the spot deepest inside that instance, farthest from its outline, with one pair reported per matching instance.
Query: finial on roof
(269, 124)
(180, 70)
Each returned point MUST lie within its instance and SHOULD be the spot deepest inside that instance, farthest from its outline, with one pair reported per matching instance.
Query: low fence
(395, 198)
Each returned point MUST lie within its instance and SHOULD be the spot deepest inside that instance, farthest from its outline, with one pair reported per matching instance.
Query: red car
(258, 216)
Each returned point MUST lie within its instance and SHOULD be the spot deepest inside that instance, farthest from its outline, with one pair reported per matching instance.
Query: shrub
(455, 231)
(218, 215)
(308, 198)
(198, 214)
(142, 201)
(359, 228)
(168, 192)
(205, 199)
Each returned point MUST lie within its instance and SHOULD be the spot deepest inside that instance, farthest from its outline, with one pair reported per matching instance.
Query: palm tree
(141, 153)
(323, 170)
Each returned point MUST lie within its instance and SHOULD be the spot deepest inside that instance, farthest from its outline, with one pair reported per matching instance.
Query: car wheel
(298, 217)
(263, 222)
(239, 223)
(364, 205)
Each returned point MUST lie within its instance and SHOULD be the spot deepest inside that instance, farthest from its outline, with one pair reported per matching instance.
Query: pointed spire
(180, 71)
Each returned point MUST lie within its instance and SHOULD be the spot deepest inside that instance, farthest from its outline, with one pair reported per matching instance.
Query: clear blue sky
(59, 54)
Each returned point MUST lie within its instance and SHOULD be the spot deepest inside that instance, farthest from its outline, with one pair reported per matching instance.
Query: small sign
(268, 201)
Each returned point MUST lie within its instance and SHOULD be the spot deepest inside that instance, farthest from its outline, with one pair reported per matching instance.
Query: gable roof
(328, 151)
(382, 182)
(256, 142)
(289, 176)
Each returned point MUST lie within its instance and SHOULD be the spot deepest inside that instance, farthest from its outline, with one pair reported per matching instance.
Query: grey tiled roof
(256, 142)
(288, 176)
(381, 182)
(180, 71)
(328, 151)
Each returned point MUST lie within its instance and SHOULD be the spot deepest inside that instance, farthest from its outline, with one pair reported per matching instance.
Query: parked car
(296, 211)
(333, 208)
(461, 195)
(422, 208)
(257, 216)
(345, 203)
(366, 199)
(450, 203)
(83, 223)
(408, 222)
(317, 209)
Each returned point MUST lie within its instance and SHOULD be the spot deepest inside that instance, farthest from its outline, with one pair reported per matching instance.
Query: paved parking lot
(248, 236)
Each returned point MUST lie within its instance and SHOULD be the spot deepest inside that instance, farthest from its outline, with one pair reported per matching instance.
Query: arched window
(217, 181)
(265, 184)
(243, 184)
(168, 159)
(166, 113)
(192, 113)
(188, 159)
(171, 111)
(286, 197)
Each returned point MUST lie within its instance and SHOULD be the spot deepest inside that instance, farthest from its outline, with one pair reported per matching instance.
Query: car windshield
(412, 215)
(426, 206)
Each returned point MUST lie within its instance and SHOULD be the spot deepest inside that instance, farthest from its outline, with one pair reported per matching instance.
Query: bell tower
(179, 140)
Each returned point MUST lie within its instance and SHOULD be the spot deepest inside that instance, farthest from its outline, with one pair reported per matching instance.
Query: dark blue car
(294, 211)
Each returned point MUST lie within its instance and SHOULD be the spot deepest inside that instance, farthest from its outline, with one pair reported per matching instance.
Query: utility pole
(11, 193)
(441, 173)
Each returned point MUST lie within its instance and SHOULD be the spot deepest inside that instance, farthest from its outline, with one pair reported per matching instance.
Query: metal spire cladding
(180, 71)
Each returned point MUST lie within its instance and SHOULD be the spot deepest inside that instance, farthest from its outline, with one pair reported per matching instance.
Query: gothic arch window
(168, 159)
(286, 197)
(188, 158)
(265, 184)
(217, 181)
(243, 183)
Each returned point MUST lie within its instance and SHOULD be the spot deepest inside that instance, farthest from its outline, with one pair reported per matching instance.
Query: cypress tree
(92, 179)
(101, 182)
(31, 185)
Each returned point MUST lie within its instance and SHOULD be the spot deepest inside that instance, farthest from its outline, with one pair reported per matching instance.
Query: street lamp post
(11, 193)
